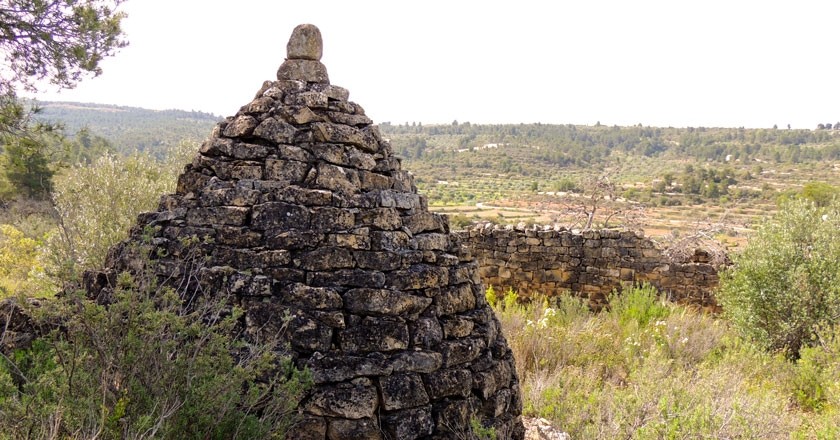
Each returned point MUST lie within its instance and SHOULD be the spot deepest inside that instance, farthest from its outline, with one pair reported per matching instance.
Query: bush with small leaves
(154, 362)
(785, 285)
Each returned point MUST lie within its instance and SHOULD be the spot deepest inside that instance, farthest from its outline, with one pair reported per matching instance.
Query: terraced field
(493, 178)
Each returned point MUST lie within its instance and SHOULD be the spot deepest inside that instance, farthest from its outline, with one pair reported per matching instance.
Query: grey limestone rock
(305, 43)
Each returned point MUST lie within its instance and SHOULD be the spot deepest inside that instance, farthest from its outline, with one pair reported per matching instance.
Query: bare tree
(598, 204)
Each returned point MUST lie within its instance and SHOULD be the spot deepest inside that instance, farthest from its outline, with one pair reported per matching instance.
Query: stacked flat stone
(552, 261)
(309, 222)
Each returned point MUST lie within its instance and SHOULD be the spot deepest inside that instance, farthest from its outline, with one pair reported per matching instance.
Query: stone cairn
(317, 234)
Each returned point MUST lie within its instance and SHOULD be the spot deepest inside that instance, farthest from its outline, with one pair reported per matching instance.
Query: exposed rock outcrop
(306, 219)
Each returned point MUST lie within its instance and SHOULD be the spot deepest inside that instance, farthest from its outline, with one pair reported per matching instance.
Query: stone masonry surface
(548, 261)
(307, 221)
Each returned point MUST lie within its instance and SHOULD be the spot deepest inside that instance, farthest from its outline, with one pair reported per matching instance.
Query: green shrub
(459, 221)
(96, 205)
(820, 193)
(147, 365)
(648, 370)
(20, 272)
(785, 285)
(637, 304)
(490, 294)
(480, 432)
(565, 184)
(816, 381)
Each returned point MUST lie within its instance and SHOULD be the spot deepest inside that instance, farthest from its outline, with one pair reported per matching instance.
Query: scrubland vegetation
(149, 365)
(667, 181)
(649, 370)
(766, 368)
(145, 364)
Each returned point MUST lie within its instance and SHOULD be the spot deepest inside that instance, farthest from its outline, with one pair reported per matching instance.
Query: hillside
(669, 179)
(131, 128)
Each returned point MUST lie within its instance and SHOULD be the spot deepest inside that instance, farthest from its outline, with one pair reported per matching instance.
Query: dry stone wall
(306, 221)
(550, 261)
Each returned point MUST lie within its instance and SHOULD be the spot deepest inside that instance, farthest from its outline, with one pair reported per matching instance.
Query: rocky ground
(541, 429)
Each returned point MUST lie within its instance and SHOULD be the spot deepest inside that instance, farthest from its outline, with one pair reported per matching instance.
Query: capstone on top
(305, 43)
(303, 54)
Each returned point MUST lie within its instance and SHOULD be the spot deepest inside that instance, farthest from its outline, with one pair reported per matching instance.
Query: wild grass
(645, 369)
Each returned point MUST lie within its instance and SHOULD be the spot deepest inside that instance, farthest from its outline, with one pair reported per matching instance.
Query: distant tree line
(585, 146)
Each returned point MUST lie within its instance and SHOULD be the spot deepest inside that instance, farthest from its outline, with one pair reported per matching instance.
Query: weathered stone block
(292, 240)
(416, 361)
(381, 218)
(443, 383)
(390, 241)
(355, 240)
(336, 178)
(265, 320)
(381, 260)
(280, 215)
(299, 115)
(347, 278)
(301, 196)
(424, 222)
(305, 43)
(426, 333)
(247, 285)
(241, 126)
(419, 276)
(238, 236)
(328, 219)
(459, 351)
(401, 391)
(409, 424)
(218, 215)
(343, 155)
(275, 130)
(375, 334)
(343, 118)
(304, 296)
(313, 99)
(236, 196)
(356, 400)
(456, 326)
(286, 171)
(303, 70)
(455, 299)
(308, 428)
(373, 181)
(361, 429)
(385, 302)
(335, 367)
(452, 415)
(343, 134)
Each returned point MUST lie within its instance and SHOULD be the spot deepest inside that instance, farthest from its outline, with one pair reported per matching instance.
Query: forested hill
(584, 146)
(131, 128)
(504, 147)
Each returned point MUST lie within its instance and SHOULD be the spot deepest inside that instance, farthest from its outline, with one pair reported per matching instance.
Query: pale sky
(660, 63)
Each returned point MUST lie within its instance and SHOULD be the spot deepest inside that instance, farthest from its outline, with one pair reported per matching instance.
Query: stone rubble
(541, 429)
(308, 220)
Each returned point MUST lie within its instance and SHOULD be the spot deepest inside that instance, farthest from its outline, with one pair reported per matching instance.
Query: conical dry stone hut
(312, 226)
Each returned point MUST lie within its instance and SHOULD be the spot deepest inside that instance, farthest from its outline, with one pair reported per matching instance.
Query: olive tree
(784, 288)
